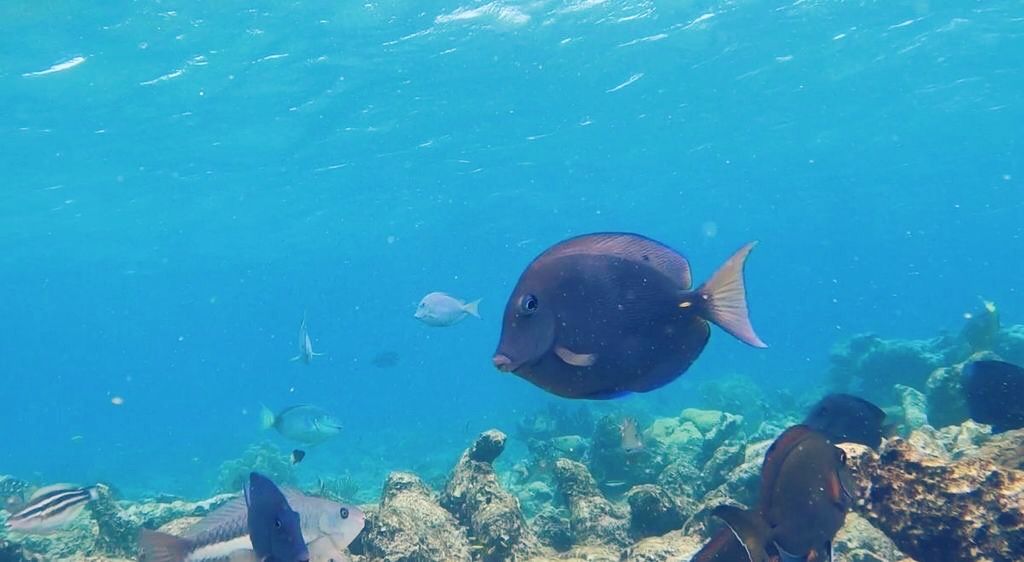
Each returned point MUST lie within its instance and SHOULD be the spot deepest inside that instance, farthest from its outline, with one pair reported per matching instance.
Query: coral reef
(265, 458)
(934, 508)
(411, 526)
(870, 365)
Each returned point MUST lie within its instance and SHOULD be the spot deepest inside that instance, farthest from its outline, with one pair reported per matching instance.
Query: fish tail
(163, 547)
(267, 417)
(473, 308)
(725, 299)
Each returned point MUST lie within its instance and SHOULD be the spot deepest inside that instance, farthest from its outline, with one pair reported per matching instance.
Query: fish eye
(528, 304)
(277, 523)
(344, 513)
(842, 456)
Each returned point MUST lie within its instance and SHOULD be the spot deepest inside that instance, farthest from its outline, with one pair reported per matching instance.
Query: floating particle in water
(392, 239)
(117, 401)
(709, 229)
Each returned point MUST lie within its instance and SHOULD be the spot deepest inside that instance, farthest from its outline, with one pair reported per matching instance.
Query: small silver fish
(328, 527)
(306, 353)
(51, 508)
(302, 423)
(442, 309)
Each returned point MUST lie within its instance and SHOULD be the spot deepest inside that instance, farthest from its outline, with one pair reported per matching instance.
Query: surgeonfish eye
(842, 456)
(277, 523)
(344, 513)
(528, 304)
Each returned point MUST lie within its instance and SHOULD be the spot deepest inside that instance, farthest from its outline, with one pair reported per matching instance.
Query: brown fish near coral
(806, 491)
(603, 315)
(630, 437)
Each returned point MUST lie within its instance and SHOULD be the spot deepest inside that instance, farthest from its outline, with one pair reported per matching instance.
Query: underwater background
(182, 181)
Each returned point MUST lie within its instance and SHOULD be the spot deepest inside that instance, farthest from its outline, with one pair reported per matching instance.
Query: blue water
(174, 203)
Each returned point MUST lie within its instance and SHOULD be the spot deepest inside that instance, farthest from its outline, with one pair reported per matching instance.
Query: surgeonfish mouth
(49, 504)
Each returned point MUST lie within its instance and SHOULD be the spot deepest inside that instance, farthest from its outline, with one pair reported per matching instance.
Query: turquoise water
(183, 180)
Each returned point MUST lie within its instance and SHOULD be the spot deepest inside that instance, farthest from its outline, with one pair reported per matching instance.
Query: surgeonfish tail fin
(266, 417)
(162, 547)
(473, 308)
(725, 299)
(749, 528)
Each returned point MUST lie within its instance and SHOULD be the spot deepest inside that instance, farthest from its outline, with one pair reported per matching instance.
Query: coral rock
(915, 407)
(859, 541)
(653, 511)
(672, 547)
(1010, 344)
(937, 509)
(553, 529)
(476, 498)
(875, 364)
(594, 520)
(412, 527)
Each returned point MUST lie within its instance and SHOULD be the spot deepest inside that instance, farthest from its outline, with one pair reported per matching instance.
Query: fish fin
(575, 359)
(787, 557)
(726, 299)
(232, 511)
(163, 547)
(242, 555)
(267, 417)
(748, 527)
(51, 488)
(607, 394)
(296, 358)
(473, 308)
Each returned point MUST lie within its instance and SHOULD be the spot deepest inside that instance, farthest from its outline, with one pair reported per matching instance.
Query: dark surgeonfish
(844, 418)
(274, 527)
(995, 394)
(744, 539)
(51, 508)
(604, 315)
(806, 490)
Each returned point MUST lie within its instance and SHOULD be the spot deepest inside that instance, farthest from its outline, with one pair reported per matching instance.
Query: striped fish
(51, 508)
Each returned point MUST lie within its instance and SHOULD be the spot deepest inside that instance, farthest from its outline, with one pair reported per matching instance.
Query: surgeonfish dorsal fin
(231, 513)
(750, 529)
(51, 488)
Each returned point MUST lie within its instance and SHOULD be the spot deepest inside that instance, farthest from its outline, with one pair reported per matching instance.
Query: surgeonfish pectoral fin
(575, 359)
(750, 529)
(725, 299)
(163, 547)
(472, 308)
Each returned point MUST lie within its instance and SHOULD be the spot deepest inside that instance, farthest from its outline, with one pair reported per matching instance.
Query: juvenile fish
(306, 353)
(51, 508)
(441, 309)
